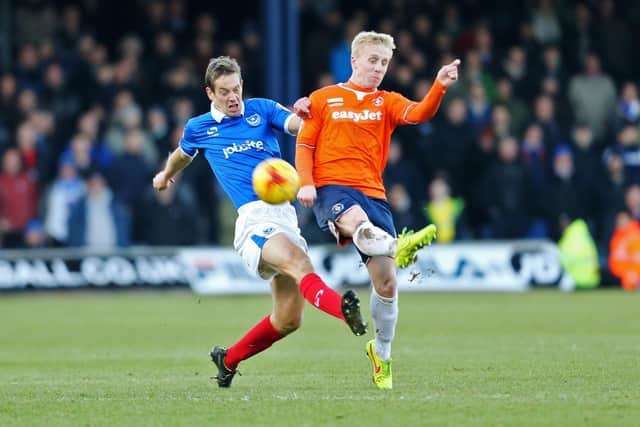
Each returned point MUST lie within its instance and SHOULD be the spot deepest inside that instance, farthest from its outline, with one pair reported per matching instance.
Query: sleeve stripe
(311, 147)
(183, 152)
(406, 111)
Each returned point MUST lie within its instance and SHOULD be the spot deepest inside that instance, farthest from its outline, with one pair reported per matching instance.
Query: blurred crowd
(541, 130)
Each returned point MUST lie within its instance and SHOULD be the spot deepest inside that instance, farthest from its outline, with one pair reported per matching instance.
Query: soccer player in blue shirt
(235, 136)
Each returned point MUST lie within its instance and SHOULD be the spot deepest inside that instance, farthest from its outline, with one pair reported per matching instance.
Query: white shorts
(257, 222)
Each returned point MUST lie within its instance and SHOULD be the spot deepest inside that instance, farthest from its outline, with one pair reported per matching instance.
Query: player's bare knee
(304, 266)
(350, 220)
(386, 287)
(288, 325)
(298, 265)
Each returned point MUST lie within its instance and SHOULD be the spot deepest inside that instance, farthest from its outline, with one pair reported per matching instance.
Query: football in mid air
(275, 181)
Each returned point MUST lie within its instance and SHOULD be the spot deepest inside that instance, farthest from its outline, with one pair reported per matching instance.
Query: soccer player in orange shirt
(341, 152)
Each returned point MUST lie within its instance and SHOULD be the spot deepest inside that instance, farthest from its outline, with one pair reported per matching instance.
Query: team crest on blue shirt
(268, 231)
(254, 119)
(337, 208)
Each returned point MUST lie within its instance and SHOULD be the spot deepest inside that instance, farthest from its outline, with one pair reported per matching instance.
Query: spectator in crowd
(18, 199)
(80, 154)
(518, 110)
(593, 95)
(89, 126)
(64, 192)
(34, 152)
(479, 108)
(553, 68)
(629, 142)
(161, 211)
(98, 220)
(505, 193)
(613, 37)
(483, 43)
(563, 200)
(8, 113)
(55, 96)
(544, 116)
(479, 159)
(474, 73)
(27, 69)
(587, 161)
(35, 21)
(340, 53)
(625, 251)
(610, 192)
(581, 38)
(545, 22)
(402, 170)
(159, 129)
(535, 162)
(632, 201)
(443, 210)
(628, 110)
(129, 176)
(44, 126)
(579, 255)
(501, 122)
(27, 103)
(402, 208)
(69, 30)
(451, 139)
(516, 68)
(34, 235)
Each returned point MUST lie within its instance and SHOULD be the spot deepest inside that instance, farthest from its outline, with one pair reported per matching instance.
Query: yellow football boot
(410, 242)
(381, 368)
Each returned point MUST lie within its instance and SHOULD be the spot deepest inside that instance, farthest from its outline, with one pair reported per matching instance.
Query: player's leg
(285, 318)
(288, 259)
(288, 304)
(281, 254)
(368, 238)
(374, 241)
(384, 312)
(345, 212)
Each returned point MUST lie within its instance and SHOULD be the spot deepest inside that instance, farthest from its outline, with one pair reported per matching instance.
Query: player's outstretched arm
(427, 108)
(305, 146)
(177, 161)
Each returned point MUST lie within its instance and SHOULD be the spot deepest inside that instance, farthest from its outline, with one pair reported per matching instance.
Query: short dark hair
(220, 66)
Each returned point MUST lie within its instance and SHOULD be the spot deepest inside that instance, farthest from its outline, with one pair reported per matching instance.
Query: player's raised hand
(161, 181)
(448, 74)
(307, 195)
(302, 108)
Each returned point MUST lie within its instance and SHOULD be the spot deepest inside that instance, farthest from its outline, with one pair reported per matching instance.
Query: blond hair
(370, 37)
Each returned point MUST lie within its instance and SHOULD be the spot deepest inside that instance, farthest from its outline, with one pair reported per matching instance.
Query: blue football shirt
(233, 146)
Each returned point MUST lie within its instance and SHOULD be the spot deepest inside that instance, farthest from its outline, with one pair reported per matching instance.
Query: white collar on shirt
(219, 115)
(359, 94)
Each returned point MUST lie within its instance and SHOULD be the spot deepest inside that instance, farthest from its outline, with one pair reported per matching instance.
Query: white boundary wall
(506, 266)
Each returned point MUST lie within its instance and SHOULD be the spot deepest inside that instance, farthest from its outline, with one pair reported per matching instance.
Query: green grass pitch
(138, 358)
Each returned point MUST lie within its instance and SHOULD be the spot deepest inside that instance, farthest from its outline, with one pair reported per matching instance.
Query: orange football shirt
(348, 136)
